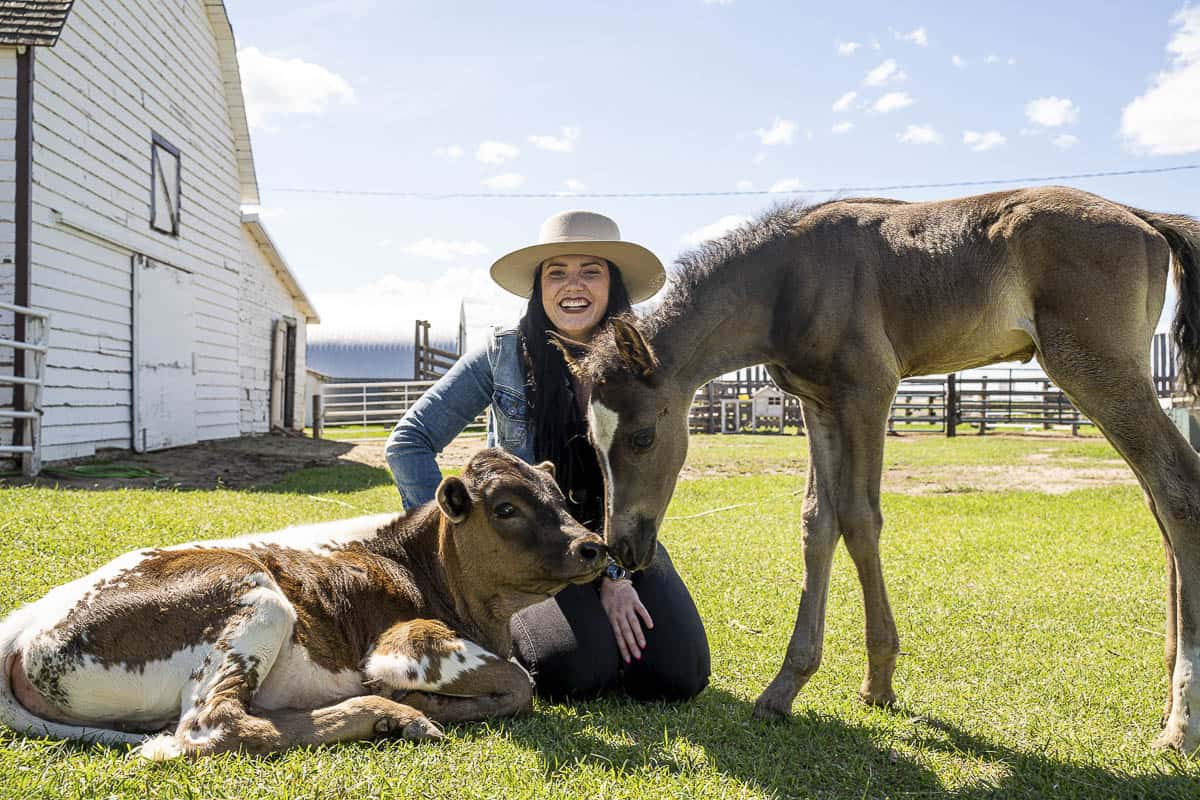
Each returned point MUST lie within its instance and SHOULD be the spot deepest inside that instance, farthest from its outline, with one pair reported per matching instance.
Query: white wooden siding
(8, 117)
(122, 70)
(264, 300)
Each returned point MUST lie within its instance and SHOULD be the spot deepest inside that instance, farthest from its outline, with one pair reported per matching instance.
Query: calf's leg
(451, 679)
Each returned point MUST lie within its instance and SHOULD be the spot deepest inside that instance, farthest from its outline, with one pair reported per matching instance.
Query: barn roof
(363, 355)
(231, 77)
(263, 239)
(34, 22)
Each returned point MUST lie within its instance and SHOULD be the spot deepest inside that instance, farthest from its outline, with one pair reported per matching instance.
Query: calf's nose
(590, 549)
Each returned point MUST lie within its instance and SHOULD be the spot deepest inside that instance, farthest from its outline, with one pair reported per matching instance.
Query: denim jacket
(493, 375)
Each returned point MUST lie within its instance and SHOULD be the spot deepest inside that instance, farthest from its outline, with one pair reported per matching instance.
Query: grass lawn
(1030, 628)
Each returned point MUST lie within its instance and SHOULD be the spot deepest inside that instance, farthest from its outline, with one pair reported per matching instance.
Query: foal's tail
(1183, 235)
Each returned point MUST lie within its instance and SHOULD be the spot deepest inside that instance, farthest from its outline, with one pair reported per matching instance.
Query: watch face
(614, 572)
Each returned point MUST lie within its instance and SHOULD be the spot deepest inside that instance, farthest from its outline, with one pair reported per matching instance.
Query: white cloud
(957, 61)
(1052, 112)
(496, 152)
(385, 242)
(847, 48)
(273, 85)
(844, 102)
(574, 185)
(785, 185)
(450, 151)
(386, 308)
(884, 73)
(892, 101)
(1165, 120)
(1065, 141)
(919, 134)
(781, 132)
(759, 158)
(843, 127)
(508, 180)
(745, 185)
(992, 58)
(714, 230)
(718, 2)
(917, 36)
(987, 140)
(557, 144)
(443, 250)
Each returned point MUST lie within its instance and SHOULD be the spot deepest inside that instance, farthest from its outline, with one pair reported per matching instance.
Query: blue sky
(686, 95)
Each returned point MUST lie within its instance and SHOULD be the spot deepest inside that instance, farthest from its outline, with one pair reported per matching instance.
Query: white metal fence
(27, 418)
(374, 404)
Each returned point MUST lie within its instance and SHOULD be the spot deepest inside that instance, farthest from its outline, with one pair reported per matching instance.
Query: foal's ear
(633, 348)
(573, 351)
(453, 499)
(546, 467)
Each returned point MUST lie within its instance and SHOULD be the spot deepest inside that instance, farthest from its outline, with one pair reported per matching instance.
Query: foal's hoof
(1174, 739)
(767, 709)
(878, 699)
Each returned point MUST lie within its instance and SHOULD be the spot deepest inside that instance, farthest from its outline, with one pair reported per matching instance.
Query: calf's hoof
(417, 729)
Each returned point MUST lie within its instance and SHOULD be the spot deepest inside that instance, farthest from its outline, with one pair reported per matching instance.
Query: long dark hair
(553, 413)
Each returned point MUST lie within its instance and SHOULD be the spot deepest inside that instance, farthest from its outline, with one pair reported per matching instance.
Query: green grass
(1030, 628)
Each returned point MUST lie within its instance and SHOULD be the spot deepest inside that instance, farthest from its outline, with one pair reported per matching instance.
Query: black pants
(567, 643)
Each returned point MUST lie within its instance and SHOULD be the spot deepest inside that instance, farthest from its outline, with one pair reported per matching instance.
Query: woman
(640, 632)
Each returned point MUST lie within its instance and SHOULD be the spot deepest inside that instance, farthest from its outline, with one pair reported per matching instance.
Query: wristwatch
(615, 572)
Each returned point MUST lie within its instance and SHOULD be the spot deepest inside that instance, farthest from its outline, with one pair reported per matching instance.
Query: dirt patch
(253, 461)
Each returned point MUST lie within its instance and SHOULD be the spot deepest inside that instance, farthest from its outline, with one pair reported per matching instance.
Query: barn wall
(265, 299)
(8, 167)
(122, 70)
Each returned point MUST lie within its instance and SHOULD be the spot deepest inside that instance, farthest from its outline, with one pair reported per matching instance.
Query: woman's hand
(623, 607)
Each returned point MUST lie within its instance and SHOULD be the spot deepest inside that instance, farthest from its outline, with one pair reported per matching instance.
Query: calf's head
(511, 529)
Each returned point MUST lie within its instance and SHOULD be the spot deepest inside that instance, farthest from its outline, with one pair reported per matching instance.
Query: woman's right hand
(626, 614)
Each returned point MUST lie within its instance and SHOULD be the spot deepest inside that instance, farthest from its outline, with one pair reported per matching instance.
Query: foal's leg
(1116, 393)
(820, 532)
(428, 666)
(864, 423)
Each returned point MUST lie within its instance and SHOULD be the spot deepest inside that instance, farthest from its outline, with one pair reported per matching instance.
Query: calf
(381, 624)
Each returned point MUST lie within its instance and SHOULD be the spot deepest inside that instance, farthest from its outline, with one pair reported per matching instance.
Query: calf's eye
(642, 440)
(504, 510)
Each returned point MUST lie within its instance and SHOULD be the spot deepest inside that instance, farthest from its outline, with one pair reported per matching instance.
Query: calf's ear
(547, 467)
(453, 499)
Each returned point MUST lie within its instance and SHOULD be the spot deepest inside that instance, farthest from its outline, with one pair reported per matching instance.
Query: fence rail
(27, 379)
(374, 404)
(985, 401)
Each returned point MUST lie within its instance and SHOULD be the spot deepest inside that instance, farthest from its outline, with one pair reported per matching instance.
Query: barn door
(164, 347)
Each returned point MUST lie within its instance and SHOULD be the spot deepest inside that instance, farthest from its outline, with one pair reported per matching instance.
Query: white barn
(125, 166)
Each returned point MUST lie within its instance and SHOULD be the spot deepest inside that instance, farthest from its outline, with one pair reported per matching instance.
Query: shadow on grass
(813, 754)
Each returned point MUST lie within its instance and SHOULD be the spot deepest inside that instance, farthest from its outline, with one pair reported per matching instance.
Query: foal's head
(638, 423)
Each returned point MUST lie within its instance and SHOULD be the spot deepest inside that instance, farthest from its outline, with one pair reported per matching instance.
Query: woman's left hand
(626, 614)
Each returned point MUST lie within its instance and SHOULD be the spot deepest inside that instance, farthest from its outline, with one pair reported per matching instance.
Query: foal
(844, 299)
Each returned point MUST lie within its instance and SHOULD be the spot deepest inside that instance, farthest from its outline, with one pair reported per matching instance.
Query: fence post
(1045, 405)
(950, 413)
(983, 401)
(318, 415)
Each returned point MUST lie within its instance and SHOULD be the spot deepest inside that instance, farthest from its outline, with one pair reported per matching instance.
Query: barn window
(164, 185)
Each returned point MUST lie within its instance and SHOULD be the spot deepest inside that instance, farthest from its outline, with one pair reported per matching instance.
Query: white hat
(584, 233)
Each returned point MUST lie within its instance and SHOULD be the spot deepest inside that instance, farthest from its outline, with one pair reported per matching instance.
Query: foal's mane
(695, 267)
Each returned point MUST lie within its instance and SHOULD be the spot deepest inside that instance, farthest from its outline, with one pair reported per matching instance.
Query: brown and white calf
(310, 635)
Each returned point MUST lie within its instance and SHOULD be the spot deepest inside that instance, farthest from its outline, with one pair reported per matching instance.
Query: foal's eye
(642, 440)
(504, 510)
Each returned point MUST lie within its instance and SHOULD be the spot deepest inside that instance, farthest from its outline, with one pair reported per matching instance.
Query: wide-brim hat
(584, 233)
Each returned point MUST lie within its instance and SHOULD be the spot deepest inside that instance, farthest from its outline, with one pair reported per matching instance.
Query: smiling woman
(639, 633)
